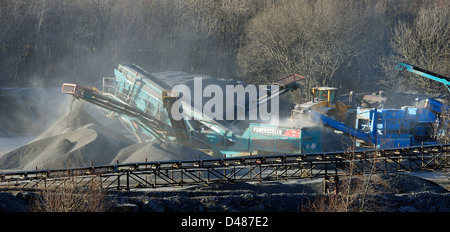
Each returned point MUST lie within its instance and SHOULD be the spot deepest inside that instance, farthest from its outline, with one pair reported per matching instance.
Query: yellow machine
(324, 102)
(324, 96)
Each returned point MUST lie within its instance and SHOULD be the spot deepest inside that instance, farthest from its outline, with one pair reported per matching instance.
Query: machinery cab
(325, 95)
(324, 102)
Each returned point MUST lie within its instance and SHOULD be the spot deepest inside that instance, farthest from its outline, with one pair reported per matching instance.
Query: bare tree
(312, 38)
(423, 43)
(328, 41)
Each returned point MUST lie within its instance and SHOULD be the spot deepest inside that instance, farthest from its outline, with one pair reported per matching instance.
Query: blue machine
(433, 105)
(144, 101)
(385, 128)
(397, 127)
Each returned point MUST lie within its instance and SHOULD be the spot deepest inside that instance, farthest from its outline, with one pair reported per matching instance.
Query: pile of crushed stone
(79, 140)
(76, 140)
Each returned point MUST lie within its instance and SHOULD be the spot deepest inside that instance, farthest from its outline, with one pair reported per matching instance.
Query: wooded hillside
(351, 44)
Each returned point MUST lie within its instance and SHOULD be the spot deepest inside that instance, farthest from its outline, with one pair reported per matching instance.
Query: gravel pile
(76, 140)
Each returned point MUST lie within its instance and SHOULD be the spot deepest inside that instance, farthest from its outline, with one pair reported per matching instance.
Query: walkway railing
(236, 169)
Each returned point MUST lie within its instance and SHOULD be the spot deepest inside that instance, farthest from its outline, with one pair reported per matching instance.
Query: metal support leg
(128, 180)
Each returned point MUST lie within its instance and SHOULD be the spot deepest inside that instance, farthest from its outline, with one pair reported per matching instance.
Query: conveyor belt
(155, 126)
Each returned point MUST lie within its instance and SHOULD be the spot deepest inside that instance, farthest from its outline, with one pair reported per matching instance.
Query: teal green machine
(144, 101)
(267, 139)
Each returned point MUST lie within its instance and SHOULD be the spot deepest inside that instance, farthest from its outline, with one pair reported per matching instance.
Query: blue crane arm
(425, 73)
